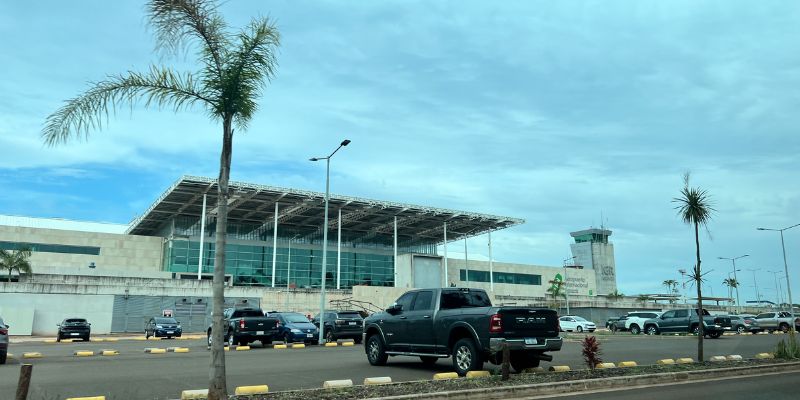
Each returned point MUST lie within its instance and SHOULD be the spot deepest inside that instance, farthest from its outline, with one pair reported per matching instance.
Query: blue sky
(555, 112)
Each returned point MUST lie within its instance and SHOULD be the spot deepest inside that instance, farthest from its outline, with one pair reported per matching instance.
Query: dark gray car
(342, 325)
(3, 341)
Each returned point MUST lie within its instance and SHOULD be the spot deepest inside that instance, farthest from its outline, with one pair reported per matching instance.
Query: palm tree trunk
(699, 281)
(217, 389)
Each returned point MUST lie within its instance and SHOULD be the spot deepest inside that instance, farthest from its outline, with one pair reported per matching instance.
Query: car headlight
(179, 327)
(295, 330)
(159, 327)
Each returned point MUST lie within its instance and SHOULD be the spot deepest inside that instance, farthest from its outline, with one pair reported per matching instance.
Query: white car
(574, 323)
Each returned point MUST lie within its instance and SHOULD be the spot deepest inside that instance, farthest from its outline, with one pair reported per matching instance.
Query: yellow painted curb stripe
(685, 360)
(717, 358)
(197, 394)
(279, 346)
(182, 350)
(346, 344)
(83, 353)
(242, 348)
(666, 361)
(88, 398)
(111, 340)
(445, 375)
(298, 346)
(331, 344)
(50, 341)
(260, 389)
(626, 364)
(559, 368)
(478, 374)
(32, 355)
(155, 351)
(110, 353)
(605, 365)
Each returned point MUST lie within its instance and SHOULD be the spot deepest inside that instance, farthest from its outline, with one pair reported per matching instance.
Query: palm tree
(642, 298)
(16, 260)
(695, 209)
(235, 67)
(555, 290)
(615, 295)
(671, 285)
(731, 283)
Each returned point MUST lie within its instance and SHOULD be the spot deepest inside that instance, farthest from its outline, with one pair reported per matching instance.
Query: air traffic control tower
(592, 250)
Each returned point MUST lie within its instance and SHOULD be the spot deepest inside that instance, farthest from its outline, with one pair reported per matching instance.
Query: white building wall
(44, 311)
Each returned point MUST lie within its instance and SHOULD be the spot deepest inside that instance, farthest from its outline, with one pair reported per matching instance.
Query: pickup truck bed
(247, 325)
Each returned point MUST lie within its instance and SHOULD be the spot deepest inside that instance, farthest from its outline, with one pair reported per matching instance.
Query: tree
(615, 295)
(234, 68)
(731, 283)
(695, 209)
(642, 298)
(671, 285)
(556, 289)
(16, 260)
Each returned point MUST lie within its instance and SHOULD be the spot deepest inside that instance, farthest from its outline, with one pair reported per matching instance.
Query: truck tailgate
(526, 322)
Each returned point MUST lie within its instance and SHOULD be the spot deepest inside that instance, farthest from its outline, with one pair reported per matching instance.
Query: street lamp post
(566, 291)
(325, 238)
(777, 290)
(289, 271)
(755, 284)
(785, 265)
(738, 300)
(730, 289)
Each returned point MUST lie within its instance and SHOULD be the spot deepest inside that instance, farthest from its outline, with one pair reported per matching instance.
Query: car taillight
(241, 324)
(3, 331)
(748, 321)
(496, 324)
(277, 324)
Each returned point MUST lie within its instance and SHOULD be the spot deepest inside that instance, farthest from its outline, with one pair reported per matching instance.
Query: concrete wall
(50, 309)
(118, 253)
(19, 317)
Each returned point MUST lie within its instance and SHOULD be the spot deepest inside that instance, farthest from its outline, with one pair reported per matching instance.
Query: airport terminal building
(274, 255)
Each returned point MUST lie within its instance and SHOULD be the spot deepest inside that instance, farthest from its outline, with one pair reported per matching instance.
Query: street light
(778, 291)
(566, 291)
(289, 270)
(325, 238)
(730, 289)
(733, 260)
(755, 283)
(785, 266)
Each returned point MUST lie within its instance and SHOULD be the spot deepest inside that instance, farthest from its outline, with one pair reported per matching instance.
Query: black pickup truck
(687, 321)
(246, 325)
(462, 324)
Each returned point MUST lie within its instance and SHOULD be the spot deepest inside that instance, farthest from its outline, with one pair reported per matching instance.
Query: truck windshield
(247, 313)
(464, 299)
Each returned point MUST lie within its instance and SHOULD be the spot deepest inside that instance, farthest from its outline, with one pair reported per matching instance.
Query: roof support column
(339, 253)
(202, 238)
(445, 282)
(275, 244)
(395, 251)
(466, 262)
(491, 271)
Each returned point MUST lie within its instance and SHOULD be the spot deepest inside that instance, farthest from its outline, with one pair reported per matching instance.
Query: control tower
(592, 250)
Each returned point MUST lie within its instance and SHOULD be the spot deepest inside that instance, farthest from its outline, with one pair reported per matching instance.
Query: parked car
(574, 323)
(615, 323)
(3, 341)
(342, 325)
(295, 327)
(163, 327)
(74, 328)
(246, 325)
(780, 320)
(743, 323)
(460, 323)
(677, 321)
(634, 321)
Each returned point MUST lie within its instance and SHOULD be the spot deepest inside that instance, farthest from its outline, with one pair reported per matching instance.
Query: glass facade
(51, 248)
(251, 264)
(501, 277)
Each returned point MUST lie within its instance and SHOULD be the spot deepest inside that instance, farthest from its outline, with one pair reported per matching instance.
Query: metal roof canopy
(363, 220)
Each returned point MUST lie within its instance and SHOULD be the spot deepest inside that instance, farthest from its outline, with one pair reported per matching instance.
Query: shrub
(591, 351)
(788, 348)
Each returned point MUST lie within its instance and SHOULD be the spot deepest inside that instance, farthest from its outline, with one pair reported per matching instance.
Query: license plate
(531, 341)
(352, 323)
(309, 335)
(74, 333)
(170, 332)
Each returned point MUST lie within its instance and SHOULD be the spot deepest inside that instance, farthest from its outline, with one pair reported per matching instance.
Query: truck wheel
(376, 352)
(635, 330)
(715, 335)
(329, 336)
(209, 339)
(465, 357)
(784, 327)
(651, 330)
(428, 360)
(231, 340)
(695, 329)
(3, 357)
(522, 360)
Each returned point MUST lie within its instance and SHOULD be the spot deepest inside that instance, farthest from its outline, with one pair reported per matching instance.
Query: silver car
(3, 341)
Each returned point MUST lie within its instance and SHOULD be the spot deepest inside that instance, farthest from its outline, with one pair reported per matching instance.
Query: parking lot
(136, 374)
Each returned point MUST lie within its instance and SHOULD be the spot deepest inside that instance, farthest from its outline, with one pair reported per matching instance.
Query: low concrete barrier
(83, 353)
(242, 348)
(380, 380)
(337, 384)
(444, 376)
(153, 338)
(626, 364)
(533, 370)
(348, 344)
(331, 344)
(280, 346)
(478, 374)
(88, 398)
(559, 368)
(298, 346)
(50, 341)
(245, 390)
(666, 361)
(606, 365)
(109, 353)
(764, 356)
(97, 340)
(717, 359)
(685, 360)
(196, 394)
(113, 339)
(33, 354)
(734, 357)
(155, 350)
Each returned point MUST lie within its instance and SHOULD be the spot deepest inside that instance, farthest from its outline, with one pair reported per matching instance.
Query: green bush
(788, 348)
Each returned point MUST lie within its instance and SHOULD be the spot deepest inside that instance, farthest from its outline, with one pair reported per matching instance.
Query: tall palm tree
(16, 260)
(671, 285)
(731, 283)
(556, 289)
(695, 209)
(234, 68)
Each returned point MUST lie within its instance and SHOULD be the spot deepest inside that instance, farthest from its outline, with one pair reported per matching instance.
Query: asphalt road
(774, 387)
(136, 375)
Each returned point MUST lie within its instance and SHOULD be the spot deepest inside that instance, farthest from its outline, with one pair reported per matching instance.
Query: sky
(569, 115)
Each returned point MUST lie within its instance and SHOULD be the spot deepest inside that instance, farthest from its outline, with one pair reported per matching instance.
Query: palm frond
(158, 87)
(177, 22)
(252, 65)
(694, 204)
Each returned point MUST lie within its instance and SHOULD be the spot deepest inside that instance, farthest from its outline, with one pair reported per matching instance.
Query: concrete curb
(244, 390)
(542, 389)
